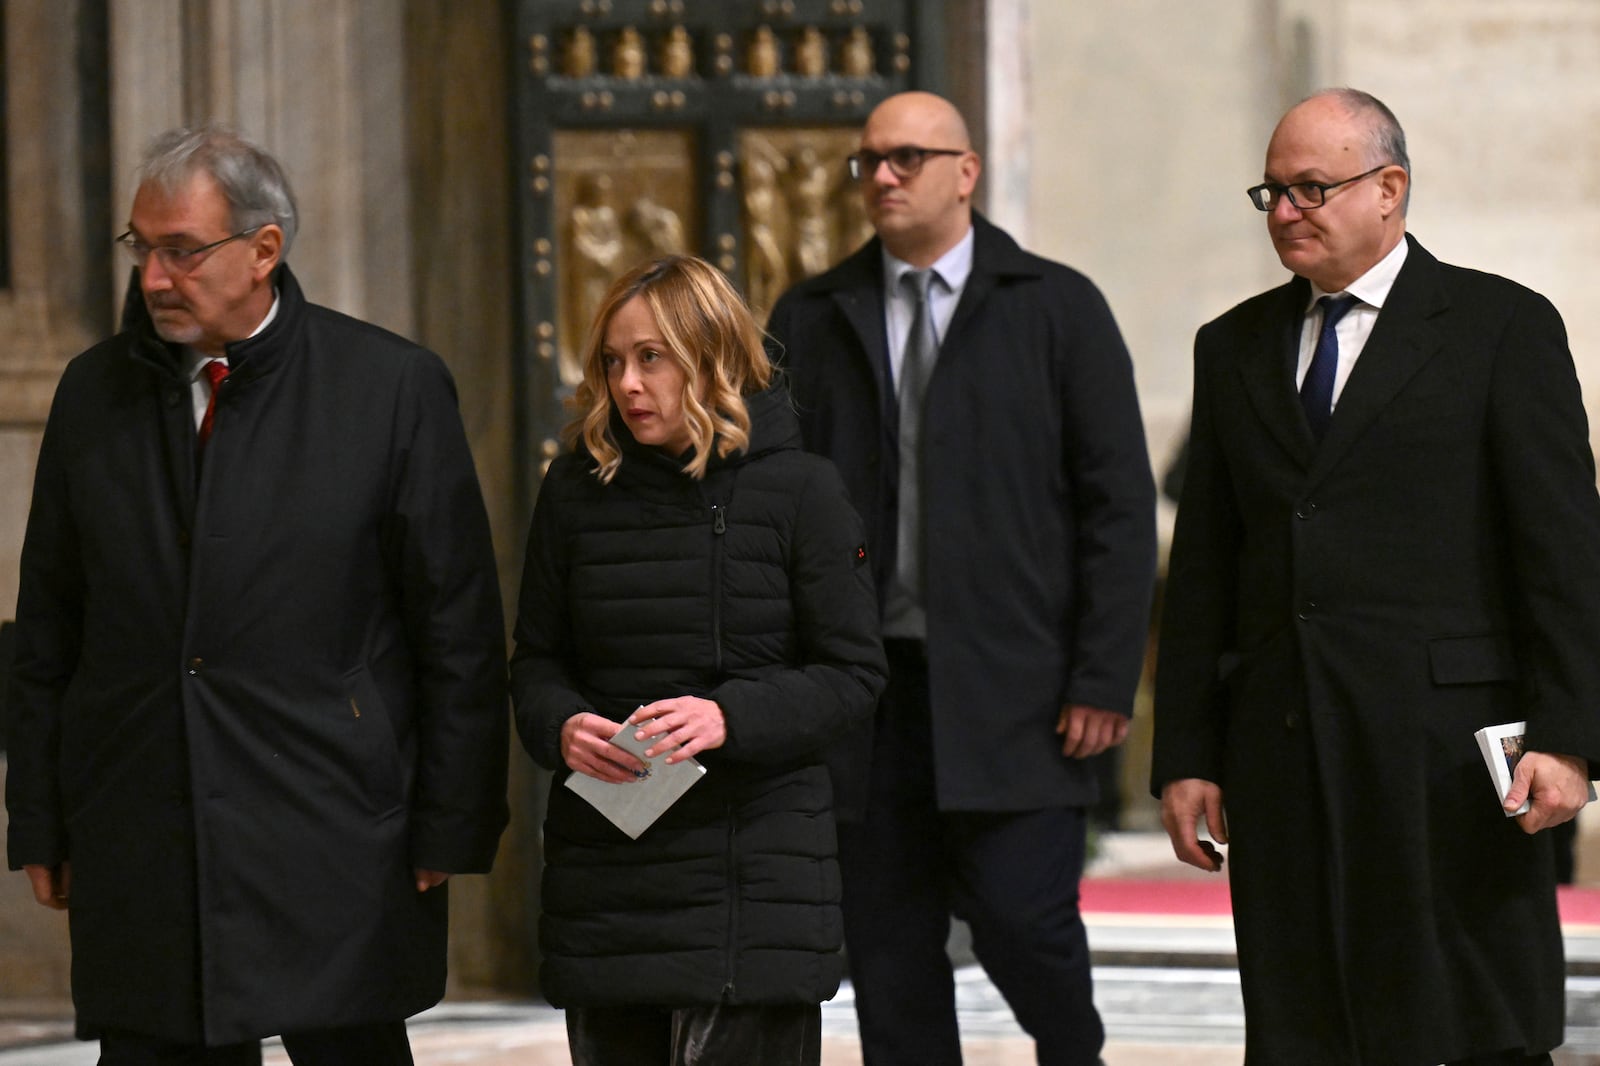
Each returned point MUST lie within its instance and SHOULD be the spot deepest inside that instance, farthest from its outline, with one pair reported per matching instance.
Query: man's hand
(1558, 784)
(1089, 730)
(696, 724)
(427, 879)
(586, 747)
(1182, 805)
(52, 885)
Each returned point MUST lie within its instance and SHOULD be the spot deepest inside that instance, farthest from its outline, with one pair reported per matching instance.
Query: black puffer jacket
(749, 588)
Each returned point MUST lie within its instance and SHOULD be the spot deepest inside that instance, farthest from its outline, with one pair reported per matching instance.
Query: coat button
(183, 538)
(174, 397)
(1307, 609)
(195, 664)
(1306, 509)
(1291, 720)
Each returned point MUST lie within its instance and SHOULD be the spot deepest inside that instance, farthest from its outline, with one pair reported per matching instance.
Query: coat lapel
(1402, 341)
(859, 297)
(1268, 372)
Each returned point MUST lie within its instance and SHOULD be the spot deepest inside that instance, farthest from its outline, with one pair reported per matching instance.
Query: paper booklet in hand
(634, 806)
(1502, 747)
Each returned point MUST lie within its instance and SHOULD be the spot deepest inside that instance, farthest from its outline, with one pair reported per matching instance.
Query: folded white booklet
(1502, 747)
(634, 806)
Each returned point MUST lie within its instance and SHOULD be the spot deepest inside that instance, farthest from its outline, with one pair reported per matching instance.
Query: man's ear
(266, 247)
(970, 166)
(1394, 181)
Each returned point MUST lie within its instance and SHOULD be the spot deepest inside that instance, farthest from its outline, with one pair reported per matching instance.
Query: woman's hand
(586, 747)
(693, 724)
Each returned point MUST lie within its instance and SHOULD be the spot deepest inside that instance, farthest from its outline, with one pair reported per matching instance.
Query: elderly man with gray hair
(259, 688)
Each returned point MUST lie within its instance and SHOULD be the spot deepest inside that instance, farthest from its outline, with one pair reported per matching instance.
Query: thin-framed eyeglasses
(175, 260)
(904, 160)
(1304, 195)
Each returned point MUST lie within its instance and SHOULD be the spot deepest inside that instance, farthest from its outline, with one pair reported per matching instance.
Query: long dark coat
(1341, 618)
(749, 588)
(251, 696)
(1039, 506)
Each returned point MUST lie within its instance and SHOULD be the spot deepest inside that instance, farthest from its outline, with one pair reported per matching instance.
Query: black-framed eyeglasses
(904, 161)
(174, 260)
(1304, 195)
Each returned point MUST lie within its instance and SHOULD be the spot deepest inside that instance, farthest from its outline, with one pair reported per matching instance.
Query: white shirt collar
(1371, 288)
(952, 268)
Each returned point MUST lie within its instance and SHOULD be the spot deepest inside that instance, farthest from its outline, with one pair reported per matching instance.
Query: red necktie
(216, 370)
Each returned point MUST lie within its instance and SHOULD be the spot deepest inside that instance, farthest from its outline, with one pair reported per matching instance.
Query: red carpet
(1579, 906)
(1209, 896)
(1115, 895)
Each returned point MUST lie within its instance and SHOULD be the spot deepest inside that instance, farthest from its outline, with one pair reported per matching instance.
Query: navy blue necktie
(1316, 391)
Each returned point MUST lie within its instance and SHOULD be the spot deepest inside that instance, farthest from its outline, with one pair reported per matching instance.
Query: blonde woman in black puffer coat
(690, 566)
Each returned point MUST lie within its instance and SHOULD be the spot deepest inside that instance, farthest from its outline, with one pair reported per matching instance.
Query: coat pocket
(1480, 659)
(376, 751)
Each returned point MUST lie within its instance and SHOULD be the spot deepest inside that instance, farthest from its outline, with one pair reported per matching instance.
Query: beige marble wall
(1147, 122)
(1501, 106)
(43, 316)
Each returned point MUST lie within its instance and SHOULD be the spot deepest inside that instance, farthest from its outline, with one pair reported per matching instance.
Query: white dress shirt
(950, 273)
(1372, 289)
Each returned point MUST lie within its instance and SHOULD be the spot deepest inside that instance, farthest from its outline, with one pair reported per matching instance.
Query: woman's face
(646, 383)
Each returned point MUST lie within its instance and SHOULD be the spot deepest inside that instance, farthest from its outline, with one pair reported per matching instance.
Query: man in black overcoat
(1389, 538)
(1010, 516)
(259, 706)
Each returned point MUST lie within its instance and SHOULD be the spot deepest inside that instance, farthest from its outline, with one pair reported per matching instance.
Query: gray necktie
(916, 367)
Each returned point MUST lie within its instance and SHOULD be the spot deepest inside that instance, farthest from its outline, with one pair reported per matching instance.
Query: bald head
(921, 202)
(1347, 143)
(1383, 140)
(934, 116)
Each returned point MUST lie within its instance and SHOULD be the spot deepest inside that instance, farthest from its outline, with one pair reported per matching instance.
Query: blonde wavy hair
(711, 336)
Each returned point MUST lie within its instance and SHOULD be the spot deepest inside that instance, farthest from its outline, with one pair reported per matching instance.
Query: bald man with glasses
(980, 404)
(1388, 539)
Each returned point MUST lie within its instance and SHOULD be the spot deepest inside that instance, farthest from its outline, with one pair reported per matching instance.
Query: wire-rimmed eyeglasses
(174, 260)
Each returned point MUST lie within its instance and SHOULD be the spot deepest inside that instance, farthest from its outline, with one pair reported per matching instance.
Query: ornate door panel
(717, 128)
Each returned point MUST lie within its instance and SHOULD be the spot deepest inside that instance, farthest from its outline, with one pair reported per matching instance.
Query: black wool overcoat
(251, 694)
(1341, 618)
(749, 588)
(1039, 507)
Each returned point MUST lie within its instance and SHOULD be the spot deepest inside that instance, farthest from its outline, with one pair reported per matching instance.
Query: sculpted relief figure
(627, 56)
(578, 59)
(808, 211)
(767, 275)
(762, 60)
(811, 53)
(677, 54)
(658, 226)
(855, 57)
(596, 247)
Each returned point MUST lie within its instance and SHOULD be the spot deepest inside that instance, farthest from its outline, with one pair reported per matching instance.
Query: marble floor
(1163, 983)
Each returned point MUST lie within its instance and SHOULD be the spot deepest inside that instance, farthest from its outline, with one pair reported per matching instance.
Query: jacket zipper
(733, 906)
(719, 526)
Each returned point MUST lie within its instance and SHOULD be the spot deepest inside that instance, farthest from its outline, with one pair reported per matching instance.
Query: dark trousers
(716, 1035)
(378, 1044)
(1504, 1058)
(1012, 876)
